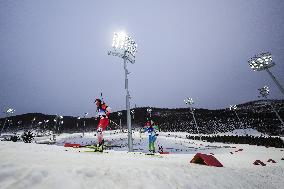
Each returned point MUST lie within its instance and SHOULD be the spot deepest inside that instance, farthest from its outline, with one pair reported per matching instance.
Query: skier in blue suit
(151, 130)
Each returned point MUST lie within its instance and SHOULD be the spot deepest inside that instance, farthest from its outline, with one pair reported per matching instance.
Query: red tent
(205, 159)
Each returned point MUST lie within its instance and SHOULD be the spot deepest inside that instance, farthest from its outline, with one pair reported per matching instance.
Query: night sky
(53, 53)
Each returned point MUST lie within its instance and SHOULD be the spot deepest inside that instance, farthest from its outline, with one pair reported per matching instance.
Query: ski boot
(100, 146)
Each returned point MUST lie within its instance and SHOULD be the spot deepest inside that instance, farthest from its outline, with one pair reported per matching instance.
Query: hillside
(256, 114)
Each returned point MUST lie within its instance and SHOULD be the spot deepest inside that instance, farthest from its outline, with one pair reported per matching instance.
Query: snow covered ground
(54, 166)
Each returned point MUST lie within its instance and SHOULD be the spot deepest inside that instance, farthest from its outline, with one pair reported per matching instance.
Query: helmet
(98, 100)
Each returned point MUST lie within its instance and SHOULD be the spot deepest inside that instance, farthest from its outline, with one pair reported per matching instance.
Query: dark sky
(53, 54)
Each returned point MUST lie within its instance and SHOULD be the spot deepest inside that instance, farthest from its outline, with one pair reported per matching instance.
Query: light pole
(133, 113)
(263, 61)
(19, 124)
(60, 122)
(57, 121)
(78, 118)
(8, 112)
(149, 110)
(189, 101)
(33, 120)
(264, 92)
(125, 48)
(234, 109)
(84, 122)
(119, 115)
(45, 123)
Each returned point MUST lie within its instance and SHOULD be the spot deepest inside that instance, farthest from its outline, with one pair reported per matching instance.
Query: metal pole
(130, 142)
(268, 101)
(3, 126)
(84, 126)
(120, 125)
(275, 80)
(240, 122)
(195, 122)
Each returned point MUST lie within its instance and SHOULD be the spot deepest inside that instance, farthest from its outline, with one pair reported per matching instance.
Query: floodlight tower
(125, 47)
(264, 92)
(19, 124)
(149, 110)
(60, 122)
(234, 108)
(119, 115)
(78, 118)
(45, 123)
(33, 120)
(57, 121)
(263, 61)
(133, 113)
(189, 101)
(84, 122)
(8, 111)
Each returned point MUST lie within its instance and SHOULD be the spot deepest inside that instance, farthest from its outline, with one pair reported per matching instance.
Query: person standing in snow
(103, 112)
(151, 129)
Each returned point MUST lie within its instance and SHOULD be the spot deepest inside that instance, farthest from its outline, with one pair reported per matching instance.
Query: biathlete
(103, 112)
(151, 129)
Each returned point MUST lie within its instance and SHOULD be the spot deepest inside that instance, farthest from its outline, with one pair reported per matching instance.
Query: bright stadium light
(8, 112)
(125, 47)
(189, 101)
(264, 92)
(233, 107)
(124, 42)
(263, 61)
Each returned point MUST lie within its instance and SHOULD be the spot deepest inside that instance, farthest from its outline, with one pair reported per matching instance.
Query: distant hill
(255, 114)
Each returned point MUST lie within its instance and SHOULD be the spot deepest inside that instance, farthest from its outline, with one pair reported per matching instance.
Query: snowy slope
(54, 166)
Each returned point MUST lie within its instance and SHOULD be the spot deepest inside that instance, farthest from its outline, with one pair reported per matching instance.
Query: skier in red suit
(103, 112)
